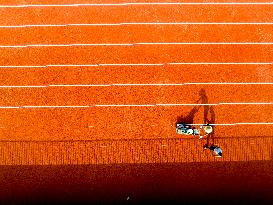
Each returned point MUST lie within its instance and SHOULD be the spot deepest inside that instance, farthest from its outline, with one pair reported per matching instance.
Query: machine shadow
(209, 113)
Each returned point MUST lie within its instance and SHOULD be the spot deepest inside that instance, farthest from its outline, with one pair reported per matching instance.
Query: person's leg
(212, 147)
(206, 146)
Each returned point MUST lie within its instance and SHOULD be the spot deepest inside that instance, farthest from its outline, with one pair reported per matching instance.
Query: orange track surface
(102, 135)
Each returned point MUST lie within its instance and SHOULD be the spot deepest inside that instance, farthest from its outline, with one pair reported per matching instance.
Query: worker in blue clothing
(216, 151)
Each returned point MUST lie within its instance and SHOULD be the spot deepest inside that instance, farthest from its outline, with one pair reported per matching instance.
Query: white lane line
(135, 44)
(230, 83)
(82, 85)
(133, 64)
(139, 64)
(204, 43)
(148, 105)
(196, 23)
(237, 123)
(23, 86)
(227, 124)
(138, 23)
(135, 4)
(9, 107)
(108, 85)
(222, 63)
(92, 24)
(150, 84)
(247, 103)
(23, 66)
(214, 104)
(66, 106)
(254, 123)
(131, 105)
(72, 65)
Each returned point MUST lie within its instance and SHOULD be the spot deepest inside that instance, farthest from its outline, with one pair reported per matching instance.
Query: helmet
(208, 129)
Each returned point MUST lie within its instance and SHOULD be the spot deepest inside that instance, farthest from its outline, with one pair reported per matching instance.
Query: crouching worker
(205, 131)
(216, 151)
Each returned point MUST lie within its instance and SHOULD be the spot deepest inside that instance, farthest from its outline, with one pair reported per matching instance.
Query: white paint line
(104, 44)
(23, 86)
(77, 106)
(127, 105)
(205, 43)
(140, 64)
(135, 4)
(9, 107)
(23, 66)
(108, 85)
(230, 83)
(247, 103)
(237, 123)
(134, 44)
(138, 23)
(73, 65)
(181, 84)
(134, 64)
(185, 104)
(200, 3)
(148, 105)
(254, 123)
(79, 85)
(1, 46)
(73, 45)
(222, 63)
(94, 24)
(229, 124)
(197, 23)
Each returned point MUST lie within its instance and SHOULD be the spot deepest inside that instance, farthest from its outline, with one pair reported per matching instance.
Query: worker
(216, 151)
(205, 131)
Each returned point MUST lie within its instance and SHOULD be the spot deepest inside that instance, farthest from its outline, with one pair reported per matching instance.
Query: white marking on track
(134, 64)
(197, 23)
(148, 105)
(56, 106)
(135, 4)
(213, 104)
(24, 86)
(72, 65)
(238, 123)
(132, 105)
(247, 103)
(138, 23)
(23, 66)
(79, 85)
(205, 43)
(135, 44)
(222, 63)
(137, 64)
(230, 83)
(9, 107)
(132, 85)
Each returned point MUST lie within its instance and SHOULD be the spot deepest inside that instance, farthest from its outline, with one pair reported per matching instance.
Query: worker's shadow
(209, 114)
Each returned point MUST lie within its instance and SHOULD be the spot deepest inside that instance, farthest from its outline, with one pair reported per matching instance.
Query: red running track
(225, 50)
